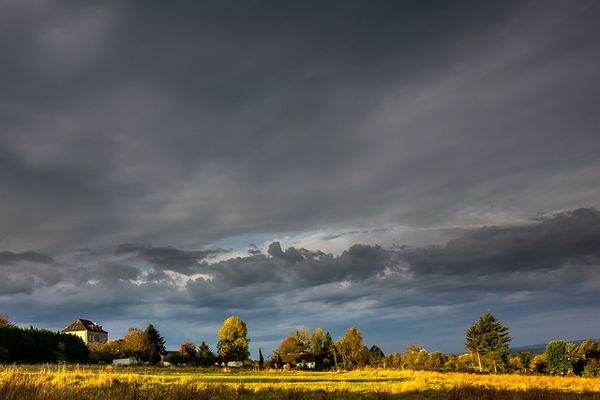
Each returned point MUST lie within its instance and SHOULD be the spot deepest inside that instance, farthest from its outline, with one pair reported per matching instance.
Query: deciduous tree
(351, 349)
(393, 360)
(106, 352)
(525, 359)
(304, 338)
(187, 352)
(290, 345)
(4, 322)
(589, 358)
(318, 342)
(135, 344)
(561, 356)
(415, 357)
(436, 361)
(233, 341)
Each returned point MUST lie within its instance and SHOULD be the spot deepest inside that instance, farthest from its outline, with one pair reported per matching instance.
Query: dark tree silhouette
(155, 343)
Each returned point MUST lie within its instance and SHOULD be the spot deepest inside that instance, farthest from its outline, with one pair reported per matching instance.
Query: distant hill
(538, 348)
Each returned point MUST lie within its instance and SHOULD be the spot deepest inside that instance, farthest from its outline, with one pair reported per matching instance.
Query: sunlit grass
(88, 382)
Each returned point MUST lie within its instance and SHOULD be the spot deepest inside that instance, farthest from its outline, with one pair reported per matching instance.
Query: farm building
(89, 331)
(299, 360)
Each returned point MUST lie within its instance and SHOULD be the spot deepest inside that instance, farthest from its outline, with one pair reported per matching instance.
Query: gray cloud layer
(522, 272)
(171, 129)
(186, 123)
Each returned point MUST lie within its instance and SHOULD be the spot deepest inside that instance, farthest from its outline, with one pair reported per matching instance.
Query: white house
(89, 331)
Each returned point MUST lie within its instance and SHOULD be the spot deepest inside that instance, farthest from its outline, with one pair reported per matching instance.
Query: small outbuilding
(125, 362)
(235, 364)
(302, 360)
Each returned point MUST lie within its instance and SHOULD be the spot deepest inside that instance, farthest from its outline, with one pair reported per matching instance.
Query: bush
(561, 357)
(592, 368)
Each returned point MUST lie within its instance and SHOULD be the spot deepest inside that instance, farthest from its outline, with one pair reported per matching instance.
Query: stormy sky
(403, 166)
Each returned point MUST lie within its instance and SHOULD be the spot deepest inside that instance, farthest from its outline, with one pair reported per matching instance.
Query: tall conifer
(488, 338)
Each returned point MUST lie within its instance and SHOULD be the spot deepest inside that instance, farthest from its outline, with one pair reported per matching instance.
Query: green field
(75, 382)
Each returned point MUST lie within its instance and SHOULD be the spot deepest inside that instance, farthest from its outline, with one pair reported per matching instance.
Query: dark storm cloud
(20, 272)
(550, 264)
(511, 254)
(117, 271)
(292, 254)
(253, 250)
(568, 237)
(10, 258)
(564, 240)
(298, 268)
(168, 257)
(549, 259)
(189, 122)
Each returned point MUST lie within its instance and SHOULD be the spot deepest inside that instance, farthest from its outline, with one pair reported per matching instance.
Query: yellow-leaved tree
(233, 341)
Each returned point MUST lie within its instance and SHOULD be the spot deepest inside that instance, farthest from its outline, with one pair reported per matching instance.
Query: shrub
(561, 356)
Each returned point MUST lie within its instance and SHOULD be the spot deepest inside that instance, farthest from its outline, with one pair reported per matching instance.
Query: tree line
(487, 342)
(32, 345)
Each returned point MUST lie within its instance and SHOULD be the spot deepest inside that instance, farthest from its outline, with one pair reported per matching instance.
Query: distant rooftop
(84, 325)
(297, 357)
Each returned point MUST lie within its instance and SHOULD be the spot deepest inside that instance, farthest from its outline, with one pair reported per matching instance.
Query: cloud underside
(550, 264)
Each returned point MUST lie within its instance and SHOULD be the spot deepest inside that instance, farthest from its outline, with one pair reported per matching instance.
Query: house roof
(84, 325)
(297, 357)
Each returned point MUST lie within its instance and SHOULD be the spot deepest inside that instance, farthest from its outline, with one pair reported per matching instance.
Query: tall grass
(97, 383)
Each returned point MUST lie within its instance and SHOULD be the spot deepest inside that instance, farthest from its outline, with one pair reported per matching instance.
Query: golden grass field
(107, 383)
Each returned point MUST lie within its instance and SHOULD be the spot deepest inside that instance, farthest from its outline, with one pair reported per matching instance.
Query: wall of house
(97, 337)
(81, 334)
(91, 337)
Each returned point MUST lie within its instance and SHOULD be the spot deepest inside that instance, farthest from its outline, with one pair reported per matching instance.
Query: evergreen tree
(376, 356)
(155, 343)
(204, 355)
(261, 359)
(488, 338)
(330, 358)
(321, 346)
